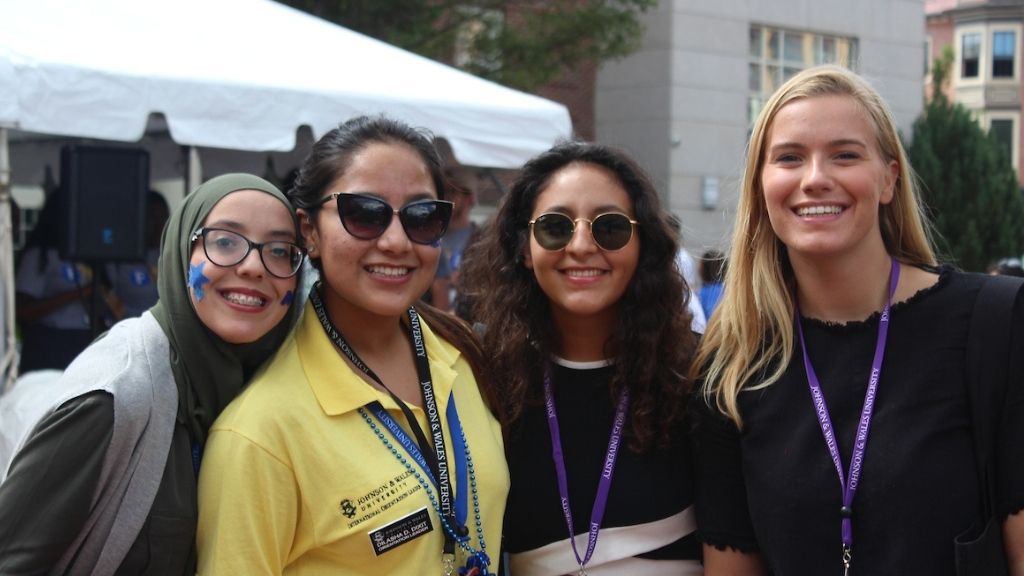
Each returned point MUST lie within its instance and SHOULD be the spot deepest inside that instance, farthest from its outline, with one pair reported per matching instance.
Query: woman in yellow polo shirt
(366, 446)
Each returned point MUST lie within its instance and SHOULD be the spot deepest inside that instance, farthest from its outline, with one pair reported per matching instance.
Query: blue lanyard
(438, 464)
(409, 445)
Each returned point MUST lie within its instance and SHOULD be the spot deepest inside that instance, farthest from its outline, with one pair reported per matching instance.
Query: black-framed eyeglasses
(611, 231)
(367, 217)
(281, 258)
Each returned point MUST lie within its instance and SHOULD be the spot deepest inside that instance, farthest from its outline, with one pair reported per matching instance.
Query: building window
(928, 55)
(1004, 49)
(776, 55)
(970, 49)
(1002, 131)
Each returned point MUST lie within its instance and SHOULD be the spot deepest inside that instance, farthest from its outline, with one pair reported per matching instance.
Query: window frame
(773, 68)
(928, 59)
(1014, 118)
(1016, 31)
(986, 34)
(980, 64)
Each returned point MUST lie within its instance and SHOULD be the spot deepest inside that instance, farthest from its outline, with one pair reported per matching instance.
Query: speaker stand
(96, 323)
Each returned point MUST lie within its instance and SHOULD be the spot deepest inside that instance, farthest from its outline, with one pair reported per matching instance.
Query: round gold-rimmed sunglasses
(611, 231)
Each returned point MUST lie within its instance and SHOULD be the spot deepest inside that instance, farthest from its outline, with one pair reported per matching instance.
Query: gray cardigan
(132, 363)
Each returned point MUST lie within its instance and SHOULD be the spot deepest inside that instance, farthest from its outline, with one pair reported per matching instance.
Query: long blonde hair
(749, 340)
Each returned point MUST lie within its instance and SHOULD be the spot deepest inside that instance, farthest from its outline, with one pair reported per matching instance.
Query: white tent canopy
(242, 75)
(233, 74)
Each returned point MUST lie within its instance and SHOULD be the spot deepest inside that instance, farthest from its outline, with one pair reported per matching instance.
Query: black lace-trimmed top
(774, 488)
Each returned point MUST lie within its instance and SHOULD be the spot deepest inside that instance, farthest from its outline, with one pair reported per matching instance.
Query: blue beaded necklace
(453, 517)
(477, 561)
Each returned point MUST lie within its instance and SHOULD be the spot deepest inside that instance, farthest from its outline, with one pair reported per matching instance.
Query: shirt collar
(339, 388)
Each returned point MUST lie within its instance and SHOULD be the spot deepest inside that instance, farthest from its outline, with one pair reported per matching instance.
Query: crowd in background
(825, 396)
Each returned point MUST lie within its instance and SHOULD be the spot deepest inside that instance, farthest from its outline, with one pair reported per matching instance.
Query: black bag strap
(988, 357)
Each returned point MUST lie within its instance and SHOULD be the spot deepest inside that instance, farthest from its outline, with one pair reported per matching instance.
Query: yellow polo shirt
(294, 481)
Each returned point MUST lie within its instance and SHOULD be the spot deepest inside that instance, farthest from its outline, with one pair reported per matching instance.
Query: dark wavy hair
(653, 344)
(332, 155)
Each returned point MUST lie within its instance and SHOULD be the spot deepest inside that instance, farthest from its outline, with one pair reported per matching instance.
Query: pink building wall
(941, 33)
(932, 6)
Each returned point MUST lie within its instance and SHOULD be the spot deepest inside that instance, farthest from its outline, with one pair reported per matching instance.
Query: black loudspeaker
(103, 203)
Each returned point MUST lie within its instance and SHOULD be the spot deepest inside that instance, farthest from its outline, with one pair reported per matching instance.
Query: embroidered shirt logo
(380, 499)
(347, 508)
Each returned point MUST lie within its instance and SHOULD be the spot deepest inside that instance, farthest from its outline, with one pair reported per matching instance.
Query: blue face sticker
(196, 279)
(288, 297)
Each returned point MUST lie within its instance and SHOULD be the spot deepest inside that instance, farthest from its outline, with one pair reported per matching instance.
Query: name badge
(400, 531)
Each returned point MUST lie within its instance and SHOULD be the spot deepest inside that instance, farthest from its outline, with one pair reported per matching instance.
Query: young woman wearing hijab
(586, 332)
(366, 446)
(835, 431)
(103, 478)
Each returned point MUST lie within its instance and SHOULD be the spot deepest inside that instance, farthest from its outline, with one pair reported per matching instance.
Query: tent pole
(8, 347)
(5, 162)
(193, 168)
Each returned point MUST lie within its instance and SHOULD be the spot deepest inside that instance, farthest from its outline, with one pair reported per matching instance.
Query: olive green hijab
(208, 371)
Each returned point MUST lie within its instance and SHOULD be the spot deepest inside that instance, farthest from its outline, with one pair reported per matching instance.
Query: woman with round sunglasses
(366, 446)
(99, 465)
(589, 341)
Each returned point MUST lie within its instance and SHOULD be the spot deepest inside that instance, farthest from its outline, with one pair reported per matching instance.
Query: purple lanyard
(604, 484)
(860, 444)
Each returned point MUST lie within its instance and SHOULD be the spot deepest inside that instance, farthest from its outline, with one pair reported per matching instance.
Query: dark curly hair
(652, 345)
(332, 155)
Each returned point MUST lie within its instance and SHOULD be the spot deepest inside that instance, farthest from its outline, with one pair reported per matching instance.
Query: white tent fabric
(242, 74)
(233, 74)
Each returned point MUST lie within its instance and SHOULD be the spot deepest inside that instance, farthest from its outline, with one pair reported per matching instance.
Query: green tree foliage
(970, 187)
(520, 43)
